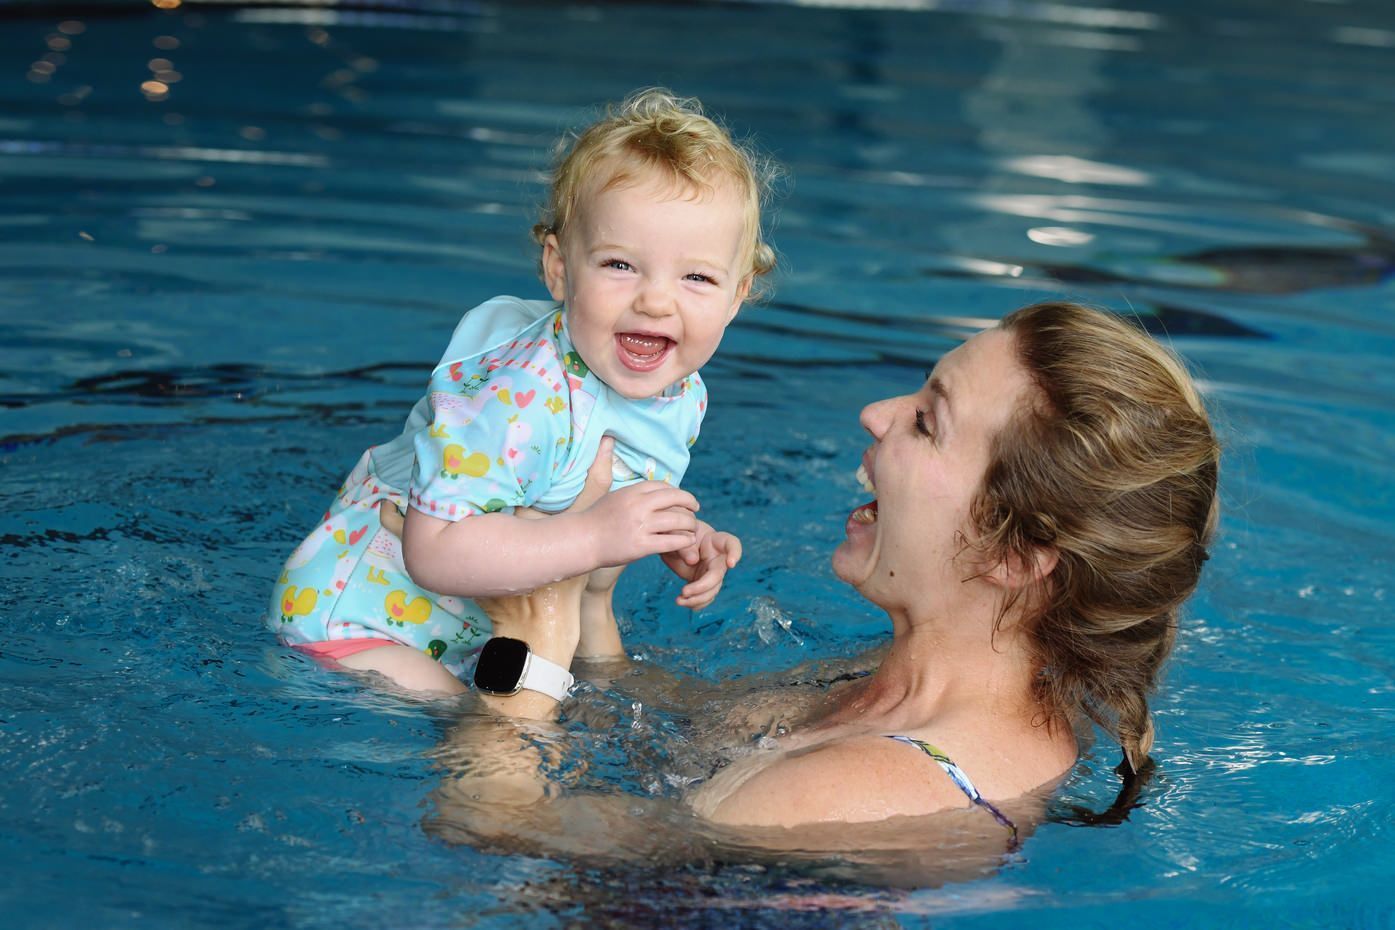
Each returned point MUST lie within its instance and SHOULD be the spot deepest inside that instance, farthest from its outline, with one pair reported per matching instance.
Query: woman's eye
(921, 426)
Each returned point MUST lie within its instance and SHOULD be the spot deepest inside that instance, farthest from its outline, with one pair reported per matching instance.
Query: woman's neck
(931, 674)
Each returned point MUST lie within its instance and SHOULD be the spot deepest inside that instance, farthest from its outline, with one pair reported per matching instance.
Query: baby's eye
(699, 276)
(619, 264)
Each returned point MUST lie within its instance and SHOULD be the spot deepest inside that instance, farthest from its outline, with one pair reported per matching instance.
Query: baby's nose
(655, 298)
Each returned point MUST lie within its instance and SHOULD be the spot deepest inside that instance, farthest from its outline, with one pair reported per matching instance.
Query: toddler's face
(651, 275)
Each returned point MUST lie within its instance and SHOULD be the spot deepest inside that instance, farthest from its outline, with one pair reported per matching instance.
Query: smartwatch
(507, 666)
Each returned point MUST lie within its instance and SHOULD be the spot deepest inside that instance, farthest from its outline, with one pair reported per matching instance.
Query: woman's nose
(878, 415)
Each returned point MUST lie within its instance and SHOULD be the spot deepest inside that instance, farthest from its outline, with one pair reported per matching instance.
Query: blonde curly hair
(654, 130)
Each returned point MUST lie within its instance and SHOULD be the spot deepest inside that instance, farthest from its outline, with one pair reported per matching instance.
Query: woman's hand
(548, 618)
(546, 602)
(390, 517)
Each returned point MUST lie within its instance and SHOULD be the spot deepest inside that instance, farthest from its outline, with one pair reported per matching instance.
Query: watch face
(500, 665)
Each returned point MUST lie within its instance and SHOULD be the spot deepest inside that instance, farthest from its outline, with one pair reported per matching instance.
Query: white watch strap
(546, 676)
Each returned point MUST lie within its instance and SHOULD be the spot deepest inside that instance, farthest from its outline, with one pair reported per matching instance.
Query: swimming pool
(234, 235)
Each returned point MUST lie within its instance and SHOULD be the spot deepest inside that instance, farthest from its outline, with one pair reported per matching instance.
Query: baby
(650, 242)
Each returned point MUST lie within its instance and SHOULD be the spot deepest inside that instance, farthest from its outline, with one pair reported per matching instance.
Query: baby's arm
(491, 555)
(703, 564)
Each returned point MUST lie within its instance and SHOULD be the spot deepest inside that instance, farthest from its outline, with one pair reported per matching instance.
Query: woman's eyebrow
(938, 389)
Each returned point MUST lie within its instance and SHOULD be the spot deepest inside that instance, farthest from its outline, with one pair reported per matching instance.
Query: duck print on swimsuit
(455, 463)
(401, 611)
(297, 603)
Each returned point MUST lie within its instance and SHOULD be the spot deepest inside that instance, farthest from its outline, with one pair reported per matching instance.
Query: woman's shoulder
(849, 779)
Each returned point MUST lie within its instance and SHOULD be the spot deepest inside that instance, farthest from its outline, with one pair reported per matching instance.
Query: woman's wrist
(542, 640)
(547, 620)
(525, 705)
(526, 702)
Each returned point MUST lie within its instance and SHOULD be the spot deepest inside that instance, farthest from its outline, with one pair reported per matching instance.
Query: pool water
(234, 238)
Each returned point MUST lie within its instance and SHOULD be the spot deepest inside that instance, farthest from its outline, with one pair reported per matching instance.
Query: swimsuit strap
(962, 780)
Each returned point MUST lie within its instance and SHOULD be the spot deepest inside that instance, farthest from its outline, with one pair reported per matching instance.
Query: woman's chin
(853, 560)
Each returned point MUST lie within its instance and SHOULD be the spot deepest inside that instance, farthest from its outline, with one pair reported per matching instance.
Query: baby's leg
(410, 668)
(600, 635)
(353, 590)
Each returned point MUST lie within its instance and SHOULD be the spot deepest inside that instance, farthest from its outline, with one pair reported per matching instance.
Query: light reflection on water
(216, 293)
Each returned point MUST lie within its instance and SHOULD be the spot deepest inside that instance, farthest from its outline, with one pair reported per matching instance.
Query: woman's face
(926, 462)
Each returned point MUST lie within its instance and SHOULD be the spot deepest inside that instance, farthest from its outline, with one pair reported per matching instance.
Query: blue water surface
(234, 237)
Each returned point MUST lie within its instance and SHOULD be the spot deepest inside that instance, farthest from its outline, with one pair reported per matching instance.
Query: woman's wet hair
(1113, 464)
(655, 131)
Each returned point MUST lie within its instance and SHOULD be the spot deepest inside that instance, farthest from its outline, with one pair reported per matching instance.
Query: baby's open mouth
(642, 351)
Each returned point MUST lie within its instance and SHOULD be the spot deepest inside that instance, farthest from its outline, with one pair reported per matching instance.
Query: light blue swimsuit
(512, 418)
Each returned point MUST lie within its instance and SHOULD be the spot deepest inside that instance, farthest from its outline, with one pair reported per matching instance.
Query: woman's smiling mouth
(867, 513)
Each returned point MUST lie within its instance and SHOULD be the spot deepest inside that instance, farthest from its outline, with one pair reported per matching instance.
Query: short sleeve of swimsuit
(497, 407)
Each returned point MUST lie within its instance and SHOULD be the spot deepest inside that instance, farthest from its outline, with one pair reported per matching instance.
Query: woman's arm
(548, 618)
(495, 759)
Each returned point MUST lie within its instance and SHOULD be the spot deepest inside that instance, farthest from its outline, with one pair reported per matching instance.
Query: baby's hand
(643, 519)
(703, 565)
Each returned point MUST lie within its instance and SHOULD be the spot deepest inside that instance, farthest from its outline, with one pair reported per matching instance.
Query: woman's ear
(554, 268)
(1015, 572)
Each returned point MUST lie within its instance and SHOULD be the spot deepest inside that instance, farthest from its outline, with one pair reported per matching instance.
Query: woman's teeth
(867, 513)
(865, 481)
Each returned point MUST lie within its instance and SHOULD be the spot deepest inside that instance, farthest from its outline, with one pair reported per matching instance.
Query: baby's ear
(554, 268)
(743, 290)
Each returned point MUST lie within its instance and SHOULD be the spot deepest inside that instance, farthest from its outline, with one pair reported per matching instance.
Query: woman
(1042, 508)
